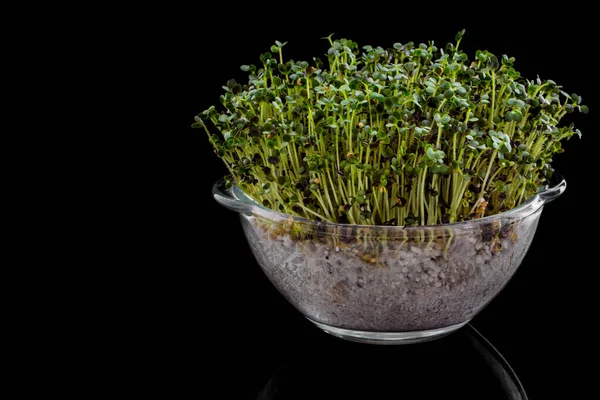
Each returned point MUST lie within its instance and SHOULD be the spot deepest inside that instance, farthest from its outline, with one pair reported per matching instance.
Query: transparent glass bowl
(388, 284)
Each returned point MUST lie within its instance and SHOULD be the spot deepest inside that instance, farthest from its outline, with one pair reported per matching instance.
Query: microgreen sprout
(409, 135)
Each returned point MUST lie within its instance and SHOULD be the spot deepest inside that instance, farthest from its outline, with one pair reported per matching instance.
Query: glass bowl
(388, 284)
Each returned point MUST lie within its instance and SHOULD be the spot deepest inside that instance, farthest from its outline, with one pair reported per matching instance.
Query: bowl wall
(389, 280)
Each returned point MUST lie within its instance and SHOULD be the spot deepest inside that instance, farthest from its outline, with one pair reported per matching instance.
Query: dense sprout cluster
(410, 135)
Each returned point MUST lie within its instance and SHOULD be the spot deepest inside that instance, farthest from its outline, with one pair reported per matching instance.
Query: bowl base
(389, 337)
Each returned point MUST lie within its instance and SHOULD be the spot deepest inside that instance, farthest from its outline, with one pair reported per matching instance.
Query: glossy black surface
(463, 365)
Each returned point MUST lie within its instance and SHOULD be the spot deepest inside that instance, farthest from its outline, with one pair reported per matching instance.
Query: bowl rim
(236, 199)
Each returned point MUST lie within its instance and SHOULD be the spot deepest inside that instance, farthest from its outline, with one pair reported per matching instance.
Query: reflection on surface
(462, 366)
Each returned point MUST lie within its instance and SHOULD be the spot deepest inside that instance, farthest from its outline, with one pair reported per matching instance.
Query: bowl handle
(224, 196)
(554, 189)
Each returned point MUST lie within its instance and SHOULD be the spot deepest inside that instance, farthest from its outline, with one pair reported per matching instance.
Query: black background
(210, 301)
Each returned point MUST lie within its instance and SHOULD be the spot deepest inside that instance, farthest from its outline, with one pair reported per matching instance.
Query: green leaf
(574, 97)
(441, 169)
(416, 99)
(331, 122)
(430, 153)
(376, 96)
